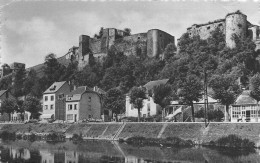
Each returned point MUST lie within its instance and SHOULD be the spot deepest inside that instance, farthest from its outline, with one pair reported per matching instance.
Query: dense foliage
(137, 95)
(225, 68)
(213, 115)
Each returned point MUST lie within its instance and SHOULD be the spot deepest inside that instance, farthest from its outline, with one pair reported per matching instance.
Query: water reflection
(112, 152)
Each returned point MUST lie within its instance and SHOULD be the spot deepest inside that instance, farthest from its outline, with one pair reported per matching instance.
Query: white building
(149, 107)
(54, 101)
(245, 109)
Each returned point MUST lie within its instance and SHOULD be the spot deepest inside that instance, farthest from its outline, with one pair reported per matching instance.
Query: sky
(32, 29)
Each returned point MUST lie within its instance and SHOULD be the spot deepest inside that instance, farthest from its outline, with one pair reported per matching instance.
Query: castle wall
(204, 31)
(95, 45)
(131, 44)
(235, 24)
(254, 32)
(157, 41)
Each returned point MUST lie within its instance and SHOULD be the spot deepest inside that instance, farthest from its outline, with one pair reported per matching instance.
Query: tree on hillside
(53, 70)
(6, 69)
(30, 81)
(137, 95)
(86, 77)
(100, 33)
(190, 90)
(32, 105)
(115, 101)
(169, 51)
(225, 89)
(20, 108)
(162, 95)
(6, 83)
(255, 88)
(127, 31)
(18, 82)
(70, 72)
(8, 106)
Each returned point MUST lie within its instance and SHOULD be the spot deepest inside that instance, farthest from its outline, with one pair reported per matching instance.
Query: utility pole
(205, 97)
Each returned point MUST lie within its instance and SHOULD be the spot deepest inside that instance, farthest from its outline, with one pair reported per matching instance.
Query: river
(114, 152)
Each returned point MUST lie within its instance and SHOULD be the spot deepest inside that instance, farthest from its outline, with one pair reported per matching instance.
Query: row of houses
(82, 103)
(244, 109)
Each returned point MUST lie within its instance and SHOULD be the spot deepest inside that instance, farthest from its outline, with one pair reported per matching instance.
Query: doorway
(75, 118)
(248, 115)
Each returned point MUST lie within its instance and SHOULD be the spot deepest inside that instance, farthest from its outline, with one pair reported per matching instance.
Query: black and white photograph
(144, 81)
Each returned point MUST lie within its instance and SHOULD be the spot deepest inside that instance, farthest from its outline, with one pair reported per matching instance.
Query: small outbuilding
(245, 109)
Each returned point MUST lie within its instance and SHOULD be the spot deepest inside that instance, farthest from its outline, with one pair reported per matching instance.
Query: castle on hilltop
(154, 41)
(151, 44)
(234, 23)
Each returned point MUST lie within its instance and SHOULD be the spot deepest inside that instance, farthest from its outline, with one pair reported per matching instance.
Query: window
(236, 112)
(148, 107)
(75, 106)
(208, 27)
(70, 117)
(89, 107)
(89, 99)
(132, 106)
(46, 107)
(144, 115)
(89, 116)
(61, 96)
(52, 107)
(69, 107)
(52, 98)
(45, 98)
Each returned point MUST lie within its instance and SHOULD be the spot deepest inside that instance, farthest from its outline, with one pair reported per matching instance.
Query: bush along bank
(76, 138)
(48, 137)
(233, 142)
(167, 142)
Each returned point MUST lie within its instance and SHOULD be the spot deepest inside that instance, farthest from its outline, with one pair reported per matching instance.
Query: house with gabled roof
(54, 101)
(245, 109)
(149, 107)
(84, 103)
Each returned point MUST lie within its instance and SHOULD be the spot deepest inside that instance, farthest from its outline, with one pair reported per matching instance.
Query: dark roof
(2, 92)
(55, 87)
(99, 90)
(79, 90)
(245, 98)
(150, 85)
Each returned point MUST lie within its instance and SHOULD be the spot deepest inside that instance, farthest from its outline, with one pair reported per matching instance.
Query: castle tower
(157, 41)
(236, 23)
(152, 43)
(83, 45)
(83, 51)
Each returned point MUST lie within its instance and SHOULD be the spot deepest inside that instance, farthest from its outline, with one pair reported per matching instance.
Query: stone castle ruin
(234, 23)
(151, 44)
(154, 41)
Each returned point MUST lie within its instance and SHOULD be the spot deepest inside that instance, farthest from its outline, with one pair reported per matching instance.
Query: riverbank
(196, 132)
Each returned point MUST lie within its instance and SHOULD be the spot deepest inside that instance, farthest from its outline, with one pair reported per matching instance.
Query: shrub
(5, 135)
(32, 137)
(77, 138)
(169, 141)
(233, 141)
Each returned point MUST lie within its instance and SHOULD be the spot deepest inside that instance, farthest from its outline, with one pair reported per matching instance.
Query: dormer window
(53, 88)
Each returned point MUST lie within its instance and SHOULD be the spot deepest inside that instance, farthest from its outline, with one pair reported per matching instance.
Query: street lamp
(205, 96)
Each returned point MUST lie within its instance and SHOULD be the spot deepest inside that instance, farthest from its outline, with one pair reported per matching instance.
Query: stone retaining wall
(196, 132)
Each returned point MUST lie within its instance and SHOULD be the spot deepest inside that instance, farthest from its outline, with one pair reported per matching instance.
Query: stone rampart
(197, 132)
